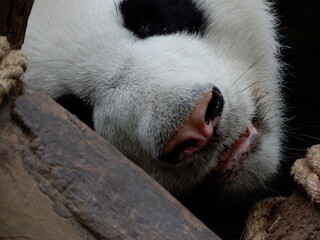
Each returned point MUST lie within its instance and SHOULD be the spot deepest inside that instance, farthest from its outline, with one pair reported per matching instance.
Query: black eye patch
(146, 18)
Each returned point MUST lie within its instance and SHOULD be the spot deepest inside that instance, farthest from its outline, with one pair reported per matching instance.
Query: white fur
(142, 90)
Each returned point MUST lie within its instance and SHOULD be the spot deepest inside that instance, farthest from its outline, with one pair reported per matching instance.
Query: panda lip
(231, 160)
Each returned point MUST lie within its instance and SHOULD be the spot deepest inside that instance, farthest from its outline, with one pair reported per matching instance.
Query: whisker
(294, 149)
(251, 85)
(250, 68)
(309, 136)
(302, 139)
(115, 5)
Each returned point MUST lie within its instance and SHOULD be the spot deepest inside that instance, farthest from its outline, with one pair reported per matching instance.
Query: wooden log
(60, 180)
(14, 16)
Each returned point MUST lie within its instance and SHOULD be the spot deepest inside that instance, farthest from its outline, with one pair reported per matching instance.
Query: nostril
(180, 151)
(215, 106)
(197, 129)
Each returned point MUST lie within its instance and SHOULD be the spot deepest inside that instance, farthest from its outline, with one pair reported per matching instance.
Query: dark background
(300, 30)
(300, 27)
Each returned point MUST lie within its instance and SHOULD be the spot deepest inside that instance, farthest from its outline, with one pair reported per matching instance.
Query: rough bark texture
(60, 180)
(13, 20)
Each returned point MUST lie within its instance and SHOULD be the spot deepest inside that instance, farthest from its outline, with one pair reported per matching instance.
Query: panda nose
(197, 129)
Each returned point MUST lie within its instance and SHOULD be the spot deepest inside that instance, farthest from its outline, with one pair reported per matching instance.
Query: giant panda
(189, 90)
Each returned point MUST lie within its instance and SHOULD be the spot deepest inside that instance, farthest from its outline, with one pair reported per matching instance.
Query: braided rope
(258, 223)
(12, 65)
(306, 172)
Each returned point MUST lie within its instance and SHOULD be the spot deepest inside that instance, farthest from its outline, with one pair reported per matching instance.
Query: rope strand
(12, 65)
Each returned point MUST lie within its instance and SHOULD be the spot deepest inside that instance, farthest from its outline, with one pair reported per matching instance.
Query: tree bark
(13, 20)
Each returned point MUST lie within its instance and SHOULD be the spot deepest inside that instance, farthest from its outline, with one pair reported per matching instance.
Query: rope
(306, 172)
(12, 65)
(258, 223)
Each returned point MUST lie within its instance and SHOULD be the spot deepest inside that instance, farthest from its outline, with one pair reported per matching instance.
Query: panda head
(196, 94)
(187, 89)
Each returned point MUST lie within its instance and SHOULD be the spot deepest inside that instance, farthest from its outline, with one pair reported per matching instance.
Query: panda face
(186, 89)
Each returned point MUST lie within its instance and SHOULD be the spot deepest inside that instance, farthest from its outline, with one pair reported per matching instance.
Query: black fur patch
(78, 107)
(146, 18)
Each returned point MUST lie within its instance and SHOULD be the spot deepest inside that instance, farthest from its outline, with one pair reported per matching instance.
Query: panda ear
(78, 107)
(146, 18)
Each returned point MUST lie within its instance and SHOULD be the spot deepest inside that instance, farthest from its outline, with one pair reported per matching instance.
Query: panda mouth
(231, 160)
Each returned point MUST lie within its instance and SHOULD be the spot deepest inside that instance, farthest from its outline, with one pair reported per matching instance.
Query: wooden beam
(60, 180)
(14, 16)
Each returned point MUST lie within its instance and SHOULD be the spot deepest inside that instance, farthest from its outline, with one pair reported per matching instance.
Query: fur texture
(141, 86)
